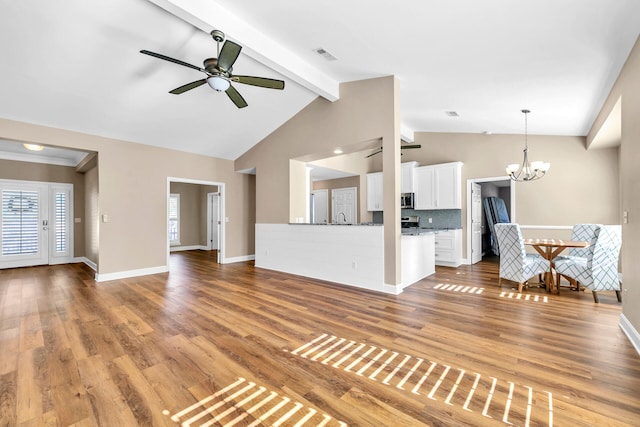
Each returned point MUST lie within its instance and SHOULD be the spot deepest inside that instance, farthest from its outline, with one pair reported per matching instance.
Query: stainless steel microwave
(406, 200)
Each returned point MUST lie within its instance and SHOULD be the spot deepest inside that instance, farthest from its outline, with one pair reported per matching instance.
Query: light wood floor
(224, 345)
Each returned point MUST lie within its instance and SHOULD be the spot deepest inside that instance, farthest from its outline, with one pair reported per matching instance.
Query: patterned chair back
(582, 233)
(603, 261)
(511, 246)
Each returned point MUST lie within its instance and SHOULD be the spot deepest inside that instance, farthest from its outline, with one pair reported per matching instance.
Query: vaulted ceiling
(76, 64)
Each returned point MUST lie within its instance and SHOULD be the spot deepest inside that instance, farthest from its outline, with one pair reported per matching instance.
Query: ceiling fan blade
(410, 146)
(259, 81)
(373, 154)
(228, 55)
(188, 86)
(175, 61)
(235, 96)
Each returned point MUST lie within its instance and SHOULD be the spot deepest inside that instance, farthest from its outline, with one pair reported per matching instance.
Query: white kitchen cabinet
(424, 188)
(406, 177)
(374, 191)
(448, 248)
(438, 186)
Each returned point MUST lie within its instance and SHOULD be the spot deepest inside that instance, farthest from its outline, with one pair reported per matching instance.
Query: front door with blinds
(35, 224)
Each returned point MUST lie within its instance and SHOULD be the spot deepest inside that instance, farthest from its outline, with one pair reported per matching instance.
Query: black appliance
(410, 221)
(406, 200)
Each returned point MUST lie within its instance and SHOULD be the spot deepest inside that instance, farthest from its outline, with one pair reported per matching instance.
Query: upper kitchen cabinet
(374, 191)
(438, 186)
(407, 177)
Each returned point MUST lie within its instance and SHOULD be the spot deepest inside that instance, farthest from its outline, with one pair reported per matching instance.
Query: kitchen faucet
(343, 216)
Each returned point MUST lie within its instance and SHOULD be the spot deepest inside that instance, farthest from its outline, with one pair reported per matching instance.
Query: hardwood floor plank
(242, 345)
(8, 399)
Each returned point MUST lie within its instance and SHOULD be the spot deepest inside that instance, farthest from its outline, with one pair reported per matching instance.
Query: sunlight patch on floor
(242, 399)
(487, 396)
(524, 297)
(459, 288)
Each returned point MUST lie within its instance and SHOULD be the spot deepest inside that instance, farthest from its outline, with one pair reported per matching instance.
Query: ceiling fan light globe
(218, 83)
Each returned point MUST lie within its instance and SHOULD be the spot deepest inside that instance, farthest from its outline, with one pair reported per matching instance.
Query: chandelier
(528, 171)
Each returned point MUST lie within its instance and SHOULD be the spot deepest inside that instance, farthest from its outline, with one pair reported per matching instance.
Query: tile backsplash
(440, 218)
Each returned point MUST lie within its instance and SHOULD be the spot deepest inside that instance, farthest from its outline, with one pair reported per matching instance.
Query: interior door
(320, 206)
(476, 223)
(214, 221)
(343, 202)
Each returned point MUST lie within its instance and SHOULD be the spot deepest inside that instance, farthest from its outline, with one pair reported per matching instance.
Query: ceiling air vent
(452, 113)
(326, 55)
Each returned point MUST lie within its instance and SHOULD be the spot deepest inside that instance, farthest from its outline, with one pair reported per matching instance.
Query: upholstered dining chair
(599, 270)
(579, 233)
(515, 263)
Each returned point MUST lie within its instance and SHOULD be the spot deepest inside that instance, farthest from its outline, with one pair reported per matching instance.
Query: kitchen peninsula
(347, 254)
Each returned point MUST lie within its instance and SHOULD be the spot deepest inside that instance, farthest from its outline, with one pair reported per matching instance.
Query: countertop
(416, 231)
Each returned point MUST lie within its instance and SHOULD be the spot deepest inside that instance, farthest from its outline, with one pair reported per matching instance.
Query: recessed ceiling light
(33, 147)
(452, 113)
(326, 55)
(337, 151)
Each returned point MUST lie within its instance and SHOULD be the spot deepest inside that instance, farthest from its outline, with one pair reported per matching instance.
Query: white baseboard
(630, 332)
(392, 289)
(92, 265)
(131, 273)
(188, 248)
(238, 259)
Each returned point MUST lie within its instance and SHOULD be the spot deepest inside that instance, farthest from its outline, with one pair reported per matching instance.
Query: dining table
(549, 249)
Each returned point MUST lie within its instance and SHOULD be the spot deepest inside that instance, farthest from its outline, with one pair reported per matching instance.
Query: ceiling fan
(218, 71)
(402, 147)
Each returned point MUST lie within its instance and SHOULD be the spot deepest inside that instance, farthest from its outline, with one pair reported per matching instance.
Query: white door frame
(476, 256)
(512, 213)
(210, 230)
(221, 234)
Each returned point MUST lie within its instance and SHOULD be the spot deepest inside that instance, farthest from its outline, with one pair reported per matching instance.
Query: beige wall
(332, 184)
(133, 192)
(367, 110)
(27, 171)
(363, 113)
(92, 215)
(581, 186)
(627, 88)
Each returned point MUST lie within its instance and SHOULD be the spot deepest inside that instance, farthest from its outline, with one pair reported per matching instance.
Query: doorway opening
(479, 192)
(200, 219)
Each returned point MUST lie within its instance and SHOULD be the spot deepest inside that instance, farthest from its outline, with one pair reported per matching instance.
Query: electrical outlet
(354, 264)
(430, 220)
(625, 217)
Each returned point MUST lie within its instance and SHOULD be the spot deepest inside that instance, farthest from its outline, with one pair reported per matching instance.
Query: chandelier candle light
(529, 171)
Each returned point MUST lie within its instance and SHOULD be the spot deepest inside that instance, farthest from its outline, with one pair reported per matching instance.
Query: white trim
(188, 248)
(92, 265)
(392, 289)
(512, 211)
(243, 258)
(630, 332)
(546, 227)
(222, 209)
(5, 155)
(131, 273)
